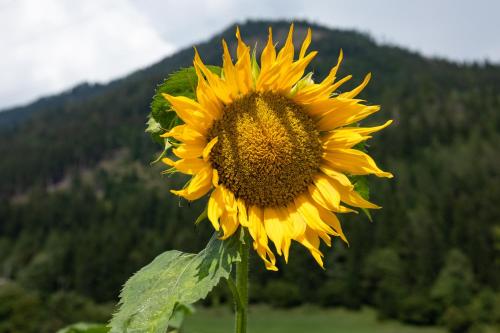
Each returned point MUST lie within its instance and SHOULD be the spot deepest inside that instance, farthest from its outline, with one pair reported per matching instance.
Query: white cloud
(455, 29)
(52, 44)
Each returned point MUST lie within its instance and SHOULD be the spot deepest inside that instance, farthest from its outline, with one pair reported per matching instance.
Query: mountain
(81, 209)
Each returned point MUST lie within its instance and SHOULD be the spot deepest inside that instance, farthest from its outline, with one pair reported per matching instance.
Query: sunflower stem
(242, 285)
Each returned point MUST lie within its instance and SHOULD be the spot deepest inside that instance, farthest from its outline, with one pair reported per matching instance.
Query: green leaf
(149, 298)
(183, 82)
(85, 328)
(362, 187)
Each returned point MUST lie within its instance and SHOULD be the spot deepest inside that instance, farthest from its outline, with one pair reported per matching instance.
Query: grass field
(300, 320)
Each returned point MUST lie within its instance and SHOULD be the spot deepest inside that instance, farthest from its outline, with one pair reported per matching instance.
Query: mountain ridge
(362, 55)
(12, 115)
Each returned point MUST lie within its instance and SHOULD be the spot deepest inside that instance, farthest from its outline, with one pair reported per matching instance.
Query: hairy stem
(242, 286)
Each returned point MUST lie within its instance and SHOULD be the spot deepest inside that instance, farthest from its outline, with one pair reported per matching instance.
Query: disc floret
(268, 149)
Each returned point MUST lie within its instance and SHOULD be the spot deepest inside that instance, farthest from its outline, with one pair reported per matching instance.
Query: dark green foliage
(71, 307)
(457, 320)
(19, 309)
(454, 285)
(483, 306)
(383, 281)
(417, 309)
(282, 293)
(24, 311)
(81, 210)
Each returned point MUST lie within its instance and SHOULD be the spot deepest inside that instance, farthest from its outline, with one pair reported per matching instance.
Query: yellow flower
(273, 148)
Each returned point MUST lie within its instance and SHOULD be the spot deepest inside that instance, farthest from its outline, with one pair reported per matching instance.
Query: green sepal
(362, 187)
(203, 216)
(362, 146)
(302, 83)
(149, 298)
(166, 148)
(255, 65)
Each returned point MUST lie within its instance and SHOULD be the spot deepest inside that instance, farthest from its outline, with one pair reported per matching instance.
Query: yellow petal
(332, 220)
(242, 212)
(274, 228)
(268, 55)
(243, 65)
(215, 178)
(354, 162)
(353, 198)
(229, 201)
(229, 224)
(287, 52)
(218, 86)
(258, 233)
(208, 148)
(347, 192)
(318, 198)
(295, 72)
(287, 229)
(298, 224)
(215, 207)
(206, 96)
(229, 219)
(242, 48)
(345, 116)
(310, 214)
(337, 176)
(188, 151)
(186, 134)
(230, 74)
(323, 90)
(187, 166)
(310, 240)
(191, 112)
(328, 191)
(365, 130)
(306, 43)
(321, 107)
(198, 186)
(342, 139)
(353, 93)
(255, 218)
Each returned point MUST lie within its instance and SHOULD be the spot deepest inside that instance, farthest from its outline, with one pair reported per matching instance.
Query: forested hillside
(81, 208)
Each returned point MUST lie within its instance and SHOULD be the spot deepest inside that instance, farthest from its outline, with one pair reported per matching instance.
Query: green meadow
(299, 320)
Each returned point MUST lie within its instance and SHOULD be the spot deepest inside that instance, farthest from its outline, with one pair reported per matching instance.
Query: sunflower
(273, 148)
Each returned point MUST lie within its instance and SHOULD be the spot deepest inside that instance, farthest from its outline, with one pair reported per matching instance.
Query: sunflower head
(268, 149)
(273, 149)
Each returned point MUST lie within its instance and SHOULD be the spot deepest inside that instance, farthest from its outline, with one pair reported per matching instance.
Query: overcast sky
(48, 46)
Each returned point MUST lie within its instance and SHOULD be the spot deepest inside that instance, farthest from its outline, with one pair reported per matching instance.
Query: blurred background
(81, 208)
